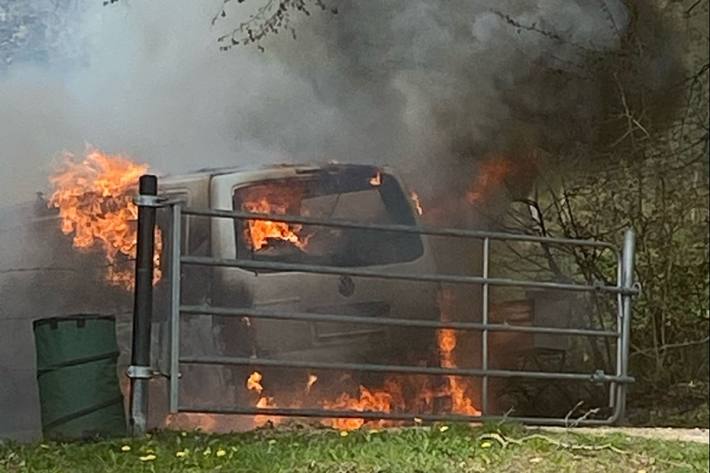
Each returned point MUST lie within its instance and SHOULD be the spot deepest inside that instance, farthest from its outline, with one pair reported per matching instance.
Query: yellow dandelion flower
(443, 428)
(147, 458)
(126, 448)
(221, 453)
(343, 433)
(181, 453)
(486, 444)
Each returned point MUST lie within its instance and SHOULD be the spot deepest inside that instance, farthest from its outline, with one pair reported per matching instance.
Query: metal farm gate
(140, 370)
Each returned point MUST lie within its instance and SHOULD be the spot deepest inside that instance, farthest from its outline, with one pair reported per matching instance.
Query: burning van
(281, 270)
(356, 193)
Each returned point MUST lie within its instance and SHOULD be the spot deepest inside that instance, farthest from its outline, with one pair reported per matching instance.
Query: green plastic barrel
(76, 372)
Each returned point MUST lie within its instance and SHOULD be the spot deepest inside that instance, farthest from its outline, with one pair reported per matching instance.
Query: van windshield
(360, 194)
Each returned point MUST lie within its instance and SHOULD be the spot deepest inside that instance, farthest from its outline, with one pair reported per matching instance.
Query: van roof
(302, 167)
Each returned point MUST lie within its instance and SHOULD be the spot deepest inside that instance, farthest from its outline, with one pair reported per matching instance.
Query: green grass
(440, 448)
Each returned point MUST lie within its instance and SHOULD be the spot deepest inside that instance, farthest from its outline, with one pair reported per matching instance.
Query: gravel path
(661, 433)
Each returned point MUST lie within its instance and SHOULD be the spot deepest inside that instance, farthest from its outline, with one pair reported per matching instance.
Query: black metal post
(140, 371)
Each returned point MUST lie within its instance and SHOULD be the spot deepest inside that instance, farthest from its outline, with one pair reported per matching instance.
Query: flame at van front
(94, 195)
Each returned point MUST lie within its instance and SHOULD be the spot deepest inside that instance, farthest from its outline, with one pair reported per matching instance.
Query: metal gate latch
(598, 377)
(139, 372)
(143, 200)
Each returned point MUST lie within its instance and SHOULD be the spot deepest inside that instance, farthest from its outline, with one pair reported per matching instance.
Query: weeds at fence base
(437, 448)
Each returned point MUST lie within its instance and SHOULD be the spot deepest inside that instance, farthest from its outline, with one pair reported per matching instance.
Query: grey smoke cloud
(420, 84)
(145, 79)
(433, 85)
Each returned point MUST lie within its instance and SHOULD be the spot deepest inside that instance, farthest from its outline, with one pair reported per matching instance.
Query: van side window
(352, 195)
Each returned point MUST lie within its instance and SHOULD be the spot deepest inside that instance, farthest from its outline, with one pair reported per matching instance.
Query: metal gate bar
(417, 229)
(624, 290)
(374, 415)
(387, 321)
(366, 273)
(596, 377)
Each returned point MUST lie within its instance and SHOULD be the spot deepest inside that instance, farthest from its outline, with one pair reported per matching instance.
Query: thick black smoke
(434, 86)
(430, 85)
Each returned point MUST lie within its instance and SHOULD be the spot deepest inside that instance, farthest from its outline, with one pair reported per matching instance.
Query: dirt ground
(659, 433)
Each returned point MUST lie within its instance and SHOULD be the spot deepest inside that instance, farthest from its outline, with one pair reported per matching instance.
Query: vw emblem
(346, 286)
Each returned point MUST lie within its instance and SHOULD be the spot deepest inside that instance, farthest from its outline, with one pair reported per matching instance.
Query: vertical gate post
(140, 371)
(175, 252)
(627, 281)
(484, 320)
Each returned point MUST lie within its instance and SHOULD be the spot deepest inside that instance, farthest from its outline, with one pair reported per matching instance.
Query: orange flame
(391, 396)
(417, 203)
(491, 174)
(398, 393)
(384, 400)
(311, 381)
(259, 233)
(376, 180)
(254, 382)
(94, 198)
(461, 403)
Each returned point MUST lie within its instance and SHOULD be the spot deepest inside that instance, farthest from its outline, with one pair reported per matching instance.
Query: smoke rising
(426, 86)
(146, 80)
